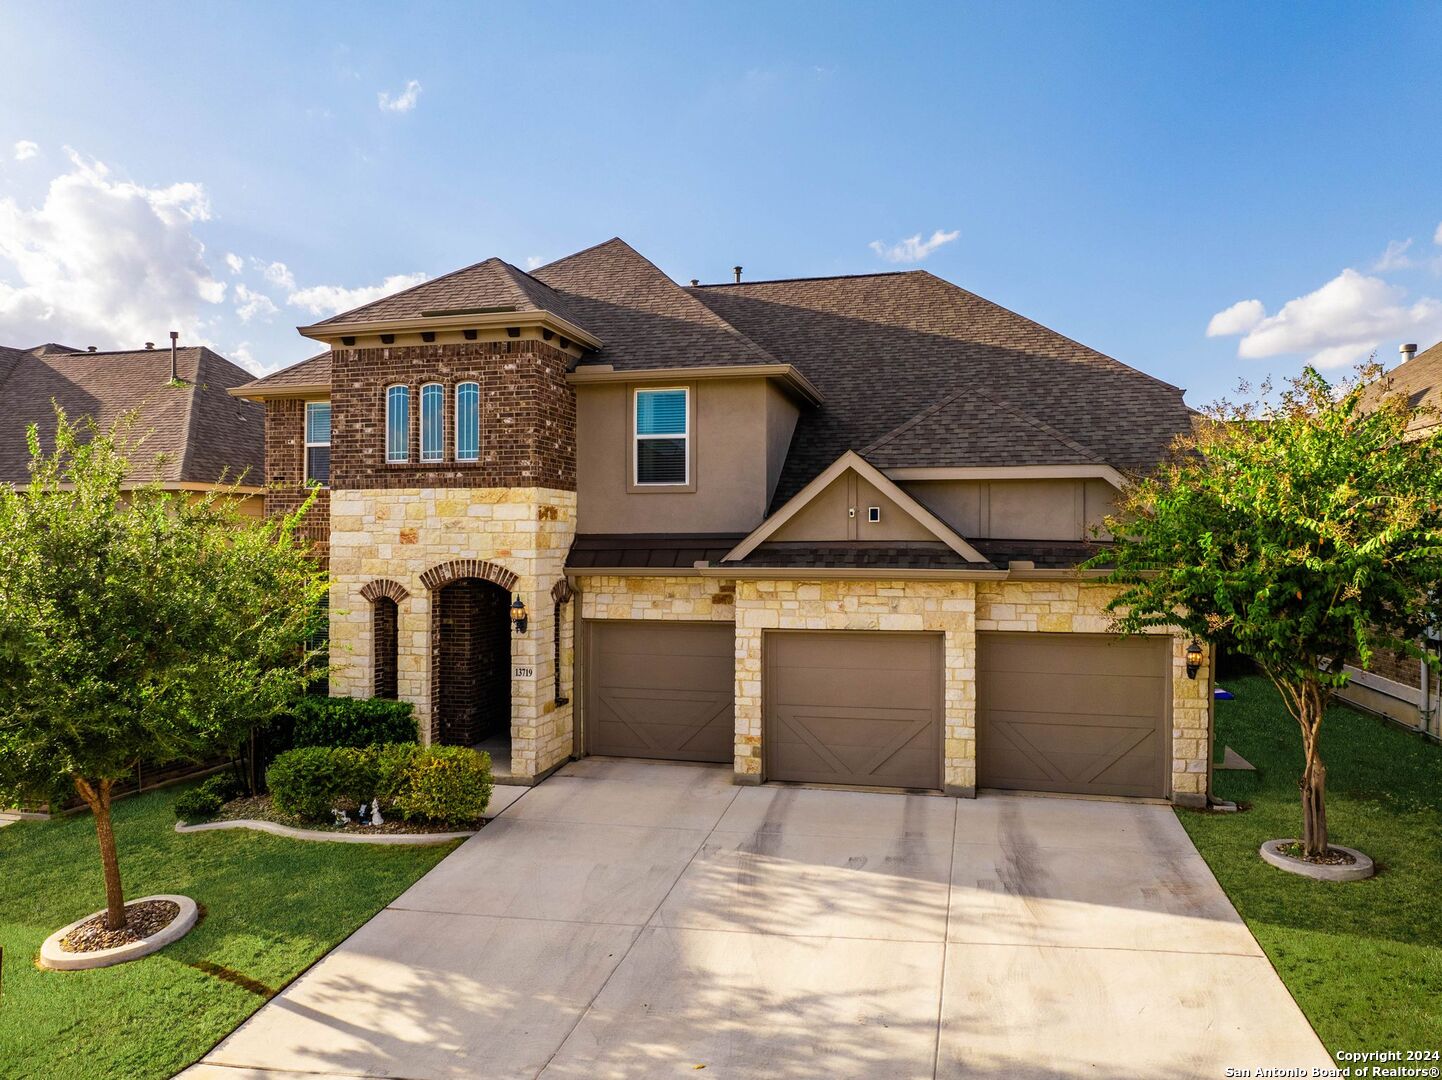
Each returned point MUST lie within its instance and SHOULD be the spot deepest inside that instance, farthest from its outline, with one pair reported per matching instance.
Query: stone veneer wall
(957, 609)
(397, 535)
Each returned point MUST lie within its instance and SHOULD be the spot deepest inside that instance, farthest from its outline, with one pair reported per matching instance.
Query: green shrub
(205, 799)
(390, 766)
(446, 784)
(343, 721)
(310, 781)
(197, 804)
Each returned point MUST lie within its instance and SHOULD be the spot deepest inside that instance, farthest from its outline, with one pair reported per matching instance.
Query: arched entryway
(471, 657)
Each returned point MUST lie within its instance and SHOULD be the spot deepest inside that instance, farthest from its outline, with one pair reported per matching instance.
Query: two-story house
(823, 530)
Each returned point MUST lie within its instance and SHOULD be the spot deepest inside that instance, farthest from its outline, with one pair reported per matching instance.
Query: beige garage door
(854, 708)
(661, 690)
(1073, 712)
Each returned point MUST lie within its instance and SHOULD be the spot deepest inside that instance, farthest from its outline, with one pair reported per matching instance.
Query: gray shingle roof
(643, 318)
(204, 433)
(312, 372)
(882, 348)
(493, 284)
(1420, 380)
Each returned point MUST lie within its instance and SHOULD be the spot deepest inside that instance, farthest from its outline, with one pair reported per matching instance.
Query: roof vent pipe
(150, 344)
(695, 281)
(1408, 351)
(90, 348)
(737, 271)
(174, 369)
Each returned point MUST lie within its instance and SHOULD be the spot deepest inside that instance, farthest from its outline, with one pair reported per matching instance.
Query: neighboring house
(1397, 686)
(197, 437)
(820, 530)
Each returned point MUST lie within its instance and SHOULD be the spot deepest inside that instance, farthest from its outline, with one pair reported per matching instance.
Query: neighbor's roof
(205, 435)
(1420, 380)
(913, 370)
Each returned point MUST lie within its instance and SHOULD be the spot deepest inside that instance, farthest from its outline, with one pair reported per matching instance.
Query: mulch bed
(142, 920)
(1333, 857)
(260, 808)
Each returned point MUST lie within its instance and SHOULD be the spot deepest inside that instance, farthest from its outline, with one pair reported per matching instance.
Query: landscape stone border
(1356, 871)
(332, 837)
(54, 958)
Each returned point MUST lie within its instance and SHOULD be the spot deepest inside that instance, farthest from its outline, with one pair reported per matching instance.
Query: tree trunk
(1314, 774)
(98, 799)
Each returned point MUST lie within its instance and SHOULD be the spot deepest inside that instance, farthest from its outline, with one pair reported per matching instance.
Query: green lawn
(271, 907)
(1363, 959)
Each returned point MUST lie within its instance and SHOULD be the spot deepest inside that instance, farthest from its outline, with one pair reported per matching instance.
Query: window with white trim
(468, 421)
(433, 422)
(317, 443)
(662, 436)
(398, 424)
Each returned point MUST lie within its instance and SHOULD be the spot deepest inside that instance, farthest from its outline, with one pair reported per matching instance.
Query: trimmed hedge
(344, 721)
(441, 784)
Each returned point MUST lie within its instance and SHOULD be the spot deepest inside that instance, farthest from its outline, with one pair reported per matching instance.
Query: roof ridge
(1042, 426)
(1124, 367)
(907, 425)
(584, 251)
(410, 289)
(813, 277)
(192, 388)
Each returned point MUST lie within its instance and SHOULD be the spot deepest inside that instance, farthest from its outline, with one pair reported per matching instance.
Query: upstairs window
(468, 421)
(663, 436)
(398, 424)
(317, 442)
(433, 422)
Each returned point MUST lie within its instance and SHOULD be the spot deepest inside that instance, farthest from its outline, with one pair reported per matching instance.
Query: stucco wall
(398, 535)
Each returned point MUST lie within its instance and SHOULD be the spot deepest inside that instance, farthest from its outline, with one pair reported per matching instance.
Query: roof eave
(260, 392)
(790, 378)
(332, 332)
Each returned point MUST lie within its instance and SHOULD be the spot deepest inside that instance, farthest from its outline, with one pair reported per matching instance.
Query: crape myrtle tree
(137, 624)
(1303, 529)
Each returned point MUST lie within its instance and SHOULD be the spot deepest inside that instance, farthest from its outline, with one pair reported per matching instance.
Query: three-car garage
(1055, 712)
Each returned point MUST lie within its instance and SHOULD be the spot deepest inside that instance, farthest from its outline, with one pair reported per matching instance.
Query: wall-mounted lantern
(1194, 658)
(520, 618)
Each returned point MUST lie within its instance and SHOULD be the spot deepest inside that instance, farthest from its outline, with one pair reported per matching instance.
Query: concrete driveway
(629, 919)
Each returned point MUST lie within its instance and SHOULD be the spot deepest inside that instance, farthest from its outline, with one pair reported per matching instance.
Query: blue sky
(1123, 173)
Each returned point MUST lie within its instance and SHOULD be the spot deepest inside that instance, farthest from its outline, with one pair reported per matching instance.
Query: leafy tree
(1304, 530)
(136, 624)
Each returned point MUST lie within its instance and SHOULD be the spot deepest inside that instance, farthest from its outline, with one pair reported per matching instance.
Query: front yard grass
(272, 907)
(1362, 959)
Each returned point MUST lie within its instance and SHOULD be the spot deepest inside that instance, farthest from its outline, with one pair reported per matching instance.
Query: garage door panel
(661, 690)
(1096, 731)
(854, 708)
(1085, 654)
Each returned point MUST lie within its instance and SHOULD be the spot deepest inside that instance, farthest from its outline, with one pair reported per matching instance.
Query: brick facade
(527, 415)
(384, 629)
(285, 488)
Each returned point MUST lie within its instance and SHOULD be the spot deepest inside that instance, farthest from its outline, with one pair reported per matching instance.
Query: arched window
(433, 422)
(468, 421)
(398, 424)
(384, 640)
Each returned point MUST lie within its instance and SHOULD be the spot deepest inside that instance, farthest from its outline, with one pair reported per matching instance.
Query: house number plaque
(523, 671)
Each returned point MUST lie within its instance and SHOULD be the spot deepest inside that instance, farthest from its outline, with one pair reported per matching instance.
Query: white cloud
(1395, 257)
(277, 273)
(235, 262)
(1237, 319)
(25, 150)
(325, 300)
(913, 249)
(240, 353)
(1340, 323)
(1437, 236)
(533, 261)
(405, 101)
(249, 304)
(104, 261)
